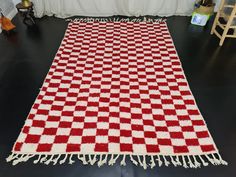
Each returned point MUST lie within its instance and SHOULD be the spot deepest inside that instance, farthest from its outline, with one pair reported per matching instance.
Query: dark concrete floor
(25, 58)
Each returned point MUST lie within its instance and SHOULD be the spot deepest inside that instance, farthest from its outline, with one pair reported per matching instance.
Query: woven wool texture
(115, 88)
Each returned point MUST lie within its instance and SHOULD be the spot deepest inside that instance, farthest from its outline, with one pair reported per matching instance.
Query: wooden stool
(228, 25)
(26, 12)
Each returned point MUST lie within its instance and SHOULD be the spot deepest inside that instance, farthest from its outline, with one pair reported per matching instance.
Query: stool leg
(228, 26)
(217, 16)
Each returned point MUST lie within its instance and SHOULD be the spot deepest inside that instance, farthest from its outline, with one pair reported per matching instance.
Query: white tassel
(210, 159)
(173, 161)
(203, 161)
(123, 163)
(159, 161)
(11, 157)
(217, 161)
(43, 159)
(64, 159)
(191, 164)
(111, 161)
(83, 159)
(18, 160)
(166, 162)
(144, 162)
(184, 162)
(221, 160)
(71, 161)
(49, 160)
(133, 160)
(94, 160)
(197, 164)
(178, 161)
(139, 160)
(153, 164)
(56, 159)
(100, 161)
(37, 160)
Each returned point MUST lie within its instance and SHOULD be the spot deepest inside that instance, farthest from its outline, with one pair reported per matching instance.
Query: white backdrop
(67, 8)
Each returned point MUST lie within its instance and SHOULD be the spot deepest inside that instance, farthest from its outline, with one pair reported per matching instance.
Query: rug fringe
(186, 161)
(115, 19)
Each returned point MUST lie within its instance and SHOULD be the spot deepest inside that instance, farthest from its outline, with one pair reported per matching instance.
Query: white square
(137, 134)
(101, 139)
(174, 129)
(51, 124)
(146, 106)
(63, 131)
(114, 120)
(189, 135)
(87, 148)
(137, 122)
(59, 148)
(55, 113)
(103, 125)
(28, 147)
(22, 137)
(168, 106)
(36, 131)
(181, 112)
(149, 128)
(178, 142)
(66, 119)
(185, 123)
(114, 132)
(44, 106)
(163, 135)
(46, 139)
(151, 141)
(147, 116)
(125, 115)
(139, 149)
(40, 117)
(61, 94)
(89, 132)
(75, 140)
(79, 113)
(124, 126)
(195, 150)
(205, 141)
(77, 125)
(157, 112)
(126, 140)
(114, 148)
(166, 150)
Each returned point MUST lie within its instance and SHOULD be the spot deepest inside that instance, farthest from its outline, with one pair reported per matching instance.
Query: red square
(101, 147)
(61, 139)
(18, 146)
(44, 148)
(180, 149)
(49, 131)
(88, 139)
(73, 148)
(152, 148)
(126, 147)
(76, 132)
(32, 139)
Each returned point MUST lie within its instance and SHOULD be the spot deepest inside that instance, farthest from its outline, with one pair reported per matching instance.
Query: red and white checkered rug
(116, 89)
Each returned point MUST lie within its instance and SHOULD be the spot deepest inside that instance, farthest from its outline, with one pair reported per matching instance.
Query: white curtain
(67, 8)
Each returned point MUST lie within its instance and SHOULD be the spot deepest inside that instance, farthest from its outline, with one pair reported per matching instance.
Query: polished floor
(25, 58)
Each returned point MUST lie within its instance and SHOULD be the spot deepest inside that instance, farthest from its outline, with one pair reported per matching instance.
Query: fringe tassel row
(145, 161)
(109, 19)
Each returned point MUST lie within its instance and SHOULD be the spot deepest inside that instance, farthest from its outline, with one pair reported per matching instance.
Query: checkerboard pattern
(115, 88)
